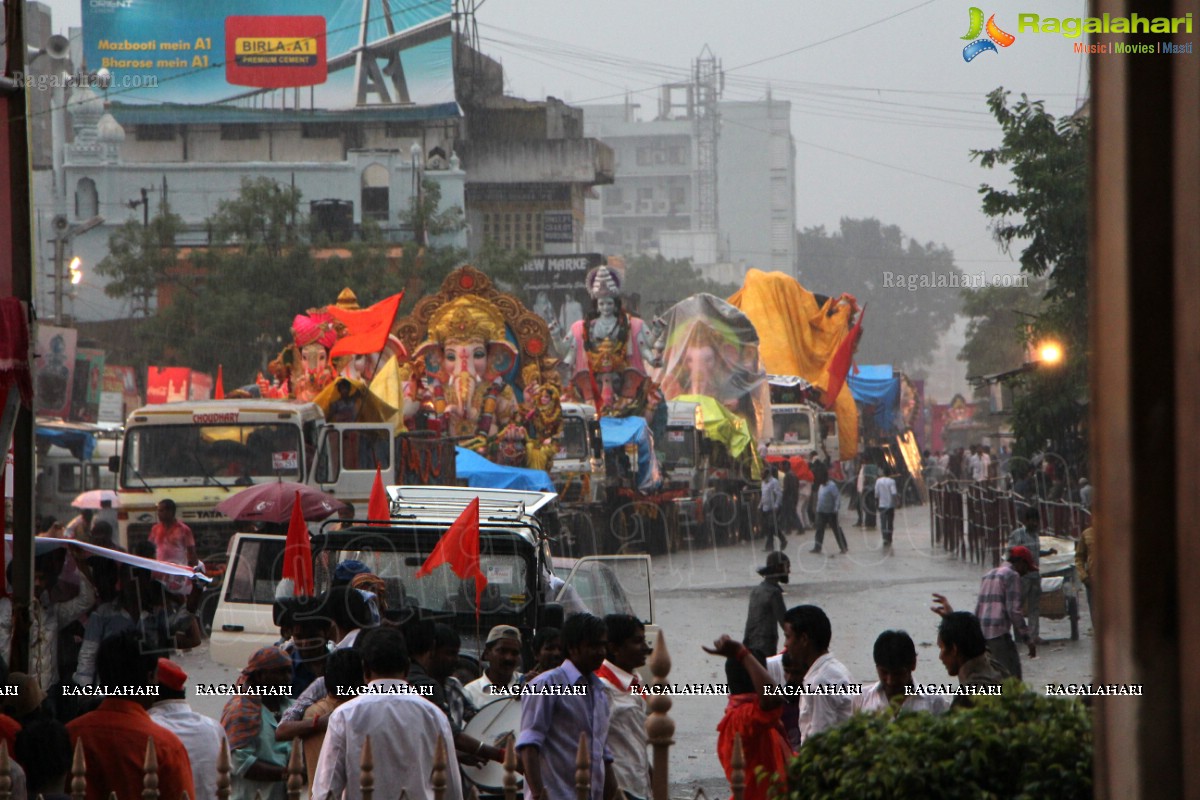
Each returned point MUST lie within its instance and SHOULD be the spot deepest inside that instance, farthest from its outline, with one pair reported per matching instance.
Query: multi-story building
(663, 178)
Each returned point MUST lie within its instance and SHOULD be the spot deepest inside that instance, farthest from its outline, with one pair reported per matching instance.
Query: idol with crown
(481, 367)
(609, 353)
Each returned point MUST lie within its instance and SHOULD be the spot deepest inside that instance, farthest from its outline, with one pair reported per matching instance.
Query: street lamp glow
(76, 273)
(1050, 353)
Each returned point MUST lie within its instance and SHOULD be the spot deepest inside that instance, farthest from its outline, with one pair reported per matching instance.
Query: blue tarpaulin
(80, 443)
(620, 431)
(483, 474)
(878, 392)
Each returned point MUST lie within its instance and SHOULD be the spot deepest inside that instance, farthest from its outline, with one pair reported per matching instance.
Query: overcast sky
(884, 108)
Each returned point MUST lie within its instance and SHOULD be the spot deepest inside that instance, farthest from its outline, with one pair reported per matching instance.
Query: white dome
(85, 106)
(109, 130)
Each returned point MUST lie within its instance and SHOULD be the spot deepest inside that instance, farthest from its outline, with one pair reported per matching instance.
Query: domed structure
(109, 131)
(85, 106)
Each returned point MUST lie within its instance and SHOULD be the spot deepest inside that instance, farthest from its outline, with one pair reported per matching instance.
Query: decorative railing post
(583, 770)
(295, 771)
(78, 772)
(366, 770)
(510, 770)
(440, 763)
(737, 780)
(660, 728)
(223, 788)
(150, 772)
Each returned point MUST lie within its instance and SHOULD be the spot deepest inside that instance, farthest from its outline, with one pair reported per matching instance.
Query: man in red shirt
(114, 736)
(173, 541)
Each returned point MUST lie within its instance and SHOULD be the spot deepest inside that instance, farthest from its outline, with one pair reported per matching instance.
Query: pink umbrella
(94, 498)
(272, 502)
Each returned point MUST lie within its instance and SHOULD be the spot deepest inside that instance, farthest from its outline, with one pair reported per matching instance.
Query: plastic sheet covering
(479, 473)
(620, 431)
(878, 391)
(798, 337)
(722, 425)
(712, 349)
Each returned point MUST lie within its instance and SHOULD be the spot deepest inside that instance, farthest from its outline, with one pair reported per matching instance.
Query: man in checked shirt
(999, 609)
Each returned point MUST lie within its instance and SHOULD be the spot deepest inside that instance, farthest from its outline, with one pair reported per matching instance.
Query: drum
(494, 724)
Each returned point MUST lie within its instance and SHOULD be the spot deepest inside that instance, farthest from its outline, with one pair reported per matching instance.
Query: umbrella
(94, 498)
(272, 502)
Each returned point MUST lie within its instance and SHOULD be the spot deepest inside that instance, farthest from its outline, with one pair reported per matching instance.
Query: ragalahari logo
(995, 36)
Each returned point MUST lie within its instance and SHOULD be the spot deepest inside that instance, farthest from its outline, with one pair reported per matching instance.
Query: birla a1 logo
(995, 36)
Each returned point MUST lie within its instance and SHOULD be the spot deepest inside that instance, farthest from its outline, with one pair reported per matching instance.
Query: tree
(140, 258)
(997, 320)
(1046, 209)
(424, 264)
(908, 286)
(660, 283)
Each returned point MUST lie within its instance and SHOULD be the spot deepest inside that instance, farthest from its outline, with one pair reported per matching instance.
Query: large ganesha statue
(609, 351)
(480, 371)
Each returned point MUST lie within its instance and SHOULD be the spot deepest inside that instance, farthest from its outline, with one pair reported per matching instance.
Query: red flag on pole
(378, 507)
(219, 389)
(297, 553)
(366, 330)
(839, 364)
(459, 547)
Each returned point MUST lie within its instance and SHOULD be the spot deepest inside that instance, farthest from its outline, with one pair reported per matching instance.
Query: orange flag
(219, 389)
(297, 553)
(459, 547)
(378, 507)
(366, 330)
(839, 364)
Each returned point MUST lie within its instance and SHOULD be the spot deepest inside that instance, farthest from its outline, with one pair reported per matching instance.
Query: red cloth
(14, 350)
(377, 504)
(459, 547)
(114, 747)
(297, 553)
(839, 364)
(219, 389)
(9, 728)
(763, 743)
(366, 330)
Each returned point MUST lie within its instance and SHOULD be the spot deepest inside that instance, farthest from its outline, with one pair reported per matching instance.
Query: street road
(703, 593)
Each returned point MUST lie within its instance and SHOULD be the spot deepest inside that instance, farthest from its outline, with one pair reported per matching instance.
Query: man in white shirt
(885, 497)
(895, 661)
(806, 639)
(203, 736)
(404, 728)
(627, 650)
(502, 651)
(975, 464)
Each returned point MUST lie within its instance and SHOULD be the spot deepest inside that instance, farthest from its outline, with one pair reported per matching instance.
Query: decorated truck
(801, 425)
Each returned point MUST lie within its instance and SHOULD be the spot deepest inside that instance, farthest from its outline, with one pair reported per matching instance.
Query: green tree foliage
(997, 319)
(1044, 211)
(140, 257)
(660, 283)
(1020, 745)
(883, 268)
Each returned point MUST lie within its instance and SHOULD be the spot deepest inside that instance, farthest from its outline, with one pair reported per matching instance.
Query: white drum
(495, 723)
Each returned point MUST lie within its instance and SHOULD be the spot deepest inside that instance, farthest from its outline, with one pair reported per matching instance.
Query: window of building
(320, 130)
(375, 196)
(240, 132)
(154, 133)
(677, 195)
(520, 230)
(87, 200)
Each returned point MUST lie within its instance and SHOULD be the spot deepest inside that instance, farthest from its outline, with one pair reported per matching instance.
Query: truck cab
(801, 425)
(514, 557)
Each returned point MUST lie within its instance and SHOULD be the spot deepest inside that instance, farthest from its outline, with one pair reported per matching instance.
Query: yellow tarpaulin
(722, 425)
(796, 337)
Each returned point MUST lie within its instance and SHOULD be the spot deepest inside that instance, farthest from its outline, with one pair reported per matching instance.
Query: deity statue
(463, 362)
(608, 352)
(304, 365)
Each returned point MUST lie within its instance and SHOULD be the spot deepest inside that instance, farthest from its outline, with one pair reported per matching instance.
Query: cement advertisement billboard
(197, 52)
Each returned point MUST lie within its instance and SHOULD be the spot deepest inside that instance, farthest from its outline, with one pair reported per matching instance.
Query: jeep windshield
(573, 446)
(200, 455)
(505, 560)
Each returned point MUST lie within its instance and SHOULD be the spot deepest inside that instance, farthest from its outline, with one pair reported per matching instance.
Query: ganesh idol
(608, 352)
(463, 363)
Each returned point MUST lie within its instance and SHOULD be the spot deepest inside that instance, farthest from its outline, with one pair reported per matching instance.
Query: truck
(198, 453)
(580, 478)
(71, 458)
(801, 425)
(515, 557)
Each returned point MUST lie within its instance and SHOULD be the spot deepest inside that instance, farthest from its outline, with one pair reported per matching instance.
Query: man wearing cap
(203, 736)
(999, 609)
(503, 654)
(1031, 582)
(764, 619)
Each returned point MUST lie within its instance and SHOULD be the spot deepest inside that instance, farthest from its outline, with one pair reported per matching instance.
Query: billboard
(54, 370)
(555, 287)
(88, 384)
(213, 51)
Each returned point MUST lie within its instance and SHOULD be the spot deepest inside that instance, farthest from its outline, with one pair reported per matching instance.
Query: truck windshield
(792, 427)
(680, 448)
(507, 588)
(574, 444)
(196, 455)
